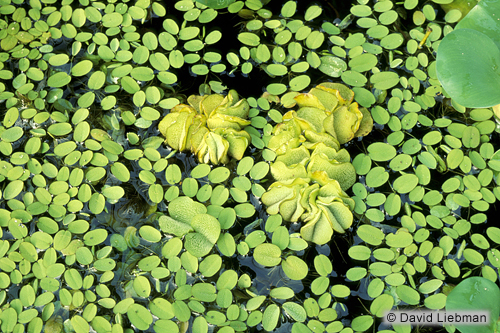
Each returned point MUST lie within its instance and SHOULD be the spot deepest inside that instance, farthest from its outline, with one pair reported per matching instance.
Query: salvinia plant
(211, 126)
(311, 170)
(468, 58)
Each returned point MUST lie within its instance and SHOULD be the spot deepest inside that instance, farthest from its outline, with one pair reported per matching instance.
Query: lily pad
(475, 293)
(460, 47)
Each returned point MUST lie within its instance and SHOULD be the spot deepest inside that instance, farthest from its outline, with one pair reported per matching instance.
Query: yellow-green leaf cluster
(311, 170)
(211, 127)
(323, 208)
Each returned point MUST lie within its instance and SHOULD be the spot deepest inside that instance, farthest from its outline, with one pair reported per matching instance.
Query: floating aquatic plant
(190, 218)
(323, 209)
(468, 58)
(476, 293)
(326, 118)
(211, 126)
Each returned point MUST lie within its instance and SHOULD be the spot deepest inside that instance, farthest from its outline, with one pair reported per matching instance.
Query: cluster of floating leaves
(435, 235)
(326, 118)
(104, 227)
(211, 127)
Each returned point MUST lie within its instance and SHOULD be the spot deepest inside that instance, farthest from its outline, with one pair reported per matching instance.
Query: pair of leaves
(190, 218)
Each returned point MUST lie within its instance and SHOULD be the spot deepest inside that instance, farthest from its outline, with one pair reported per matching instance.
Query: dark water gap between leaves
(255, 82)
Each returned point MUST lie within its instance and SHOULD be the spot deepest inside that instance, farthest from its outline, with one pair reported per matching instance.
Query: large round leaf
(482, 18)
(475, 293)
(468, 67)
